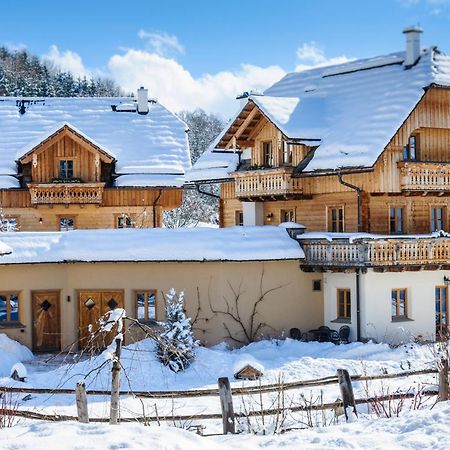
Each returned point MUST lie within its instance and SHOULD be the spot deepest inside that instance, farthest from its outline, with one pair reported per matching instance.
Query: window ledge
(149, 323)
(401, 319)
(341, 320)
(4, 325)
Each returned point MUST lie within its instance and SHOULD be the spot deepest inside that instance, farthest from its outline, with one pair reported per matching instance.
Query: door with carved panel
(92, 305)
(46, 321)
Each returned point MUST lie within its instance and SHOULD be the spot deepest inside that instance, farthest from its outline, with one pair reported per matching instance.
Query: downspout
(358, 305)
(209, 194)
(358, 192)
(154, 207)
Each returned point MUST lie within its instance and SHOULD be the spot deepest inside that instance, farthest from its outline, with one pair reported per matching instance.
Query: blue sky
(201, 53)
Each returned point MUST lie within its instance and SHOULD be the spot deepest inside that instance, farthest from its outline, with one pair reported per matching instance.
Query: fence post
(443, 381)
(115, 385)
(226, 403)
(81, 400)
(345, 385)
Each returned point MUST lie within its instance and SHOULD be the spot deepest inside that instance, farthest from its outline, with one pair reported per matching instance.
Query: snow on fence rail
(343, 379)
(249, 390)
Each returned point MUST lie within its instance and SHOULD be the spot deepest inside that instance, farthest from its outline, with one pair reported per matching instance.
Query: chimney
(142, 100)
(412, 45)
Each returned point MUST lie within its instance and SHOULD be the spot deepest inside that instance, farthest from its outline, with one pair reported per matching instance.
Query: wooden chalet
(68, 163)
(363, 146)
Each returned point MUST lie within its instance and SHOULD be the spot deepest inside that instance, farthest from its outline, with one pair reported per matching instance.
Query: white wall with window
(395, 306)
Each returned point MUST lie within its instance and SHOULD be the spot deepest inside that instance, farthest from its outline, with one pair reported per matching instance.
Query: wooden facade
(67, 177)
(419, 186)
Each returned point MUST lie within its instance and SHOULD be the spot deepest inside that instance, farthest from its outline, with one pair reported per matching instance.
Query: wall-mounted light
(68, 299)
(40, 220)
(269, 217)
(446, 280)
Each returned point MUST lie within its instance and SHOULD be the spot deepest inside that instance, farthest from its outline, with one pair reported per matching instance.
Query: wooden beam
(244, 125)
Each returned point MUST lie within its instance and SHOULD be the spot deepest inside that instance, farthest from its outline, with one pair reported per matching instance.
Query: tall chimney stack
(142, 100)
(412, 45)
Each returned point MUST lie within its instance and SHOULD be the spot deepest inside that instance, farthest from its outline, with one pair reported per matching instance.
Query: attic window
(410, 151)
(66, 169)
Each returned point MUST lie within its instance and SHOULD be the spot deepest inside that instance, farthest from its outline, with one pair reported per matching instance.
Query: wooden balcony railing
(419, 176)
(66, 193)
(262, 183)
(373, 252)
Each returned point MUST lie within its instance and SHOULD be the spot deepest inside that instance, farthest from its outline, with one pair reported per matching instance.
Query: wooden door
(46, 321)
(441, 311)
(91, 306)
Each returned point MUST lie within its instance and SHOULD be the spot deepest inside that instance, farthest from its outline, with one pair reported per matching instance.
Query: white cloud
(310, 55)
(67, 61)
(161, 43)
(177, 89)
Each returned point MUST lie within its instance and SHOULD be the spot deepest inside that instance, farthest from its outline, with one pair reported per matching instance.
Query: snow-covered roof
(262, 243)
(4, 249)
(352, 110)
(153, 144)
(214, 164)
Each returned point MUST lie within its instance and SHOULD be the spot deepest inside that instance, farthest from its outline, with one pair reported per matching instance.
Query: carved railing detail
(66, 193)
(420, 176)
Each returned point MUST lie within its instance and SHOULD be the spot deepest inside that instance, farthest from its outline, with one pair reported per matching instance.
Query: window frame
(125, 217)
(8, 322)
(268, 157)
(285, 211)
(66, 169)
(347, 304)
(289, 152)
(434, 219)
(393, 221)
(339, 220)
(60, 217)
(238, 215)
(145, 320)
(411, 149)
(397, 316)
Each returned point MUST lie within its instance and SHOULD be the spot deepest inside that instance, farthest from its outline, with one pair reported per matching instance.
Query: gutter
(358, 192)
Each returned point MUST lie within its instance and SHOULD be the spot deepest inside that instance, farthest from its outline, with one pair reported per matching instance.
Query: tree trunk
(81, 399)
(226, 403)
(345, 385)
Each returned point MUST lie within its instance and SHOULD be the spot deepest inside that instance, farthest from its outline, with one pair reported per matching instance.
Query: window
(396, 220)
(9, 224)
(66, 168)
(9, 307)
(344, 307)
(267, 154)
(125, 221)
(287, 153)
(336, 219)
(239, 218)
(287, 215)
(437, 217)
(441, 311)
(66, 223)
(410, 150)
(145, 305)
(399, 306)
(317, 285)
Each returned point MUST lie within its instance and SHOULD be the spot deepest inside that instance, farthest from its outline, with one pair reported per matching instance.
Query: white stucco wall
(376, 319)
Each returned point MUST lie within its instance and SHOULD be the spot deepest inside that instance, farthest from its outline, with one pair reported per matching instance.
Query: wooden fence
(225, 393)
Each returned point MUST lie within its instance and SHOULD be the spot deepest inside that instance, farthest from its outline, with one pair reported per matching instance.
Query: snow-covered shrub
(176, 344)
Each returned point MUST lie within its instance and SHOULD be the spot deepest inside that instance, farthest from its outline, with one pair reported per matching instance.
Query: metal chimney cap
(413, 29)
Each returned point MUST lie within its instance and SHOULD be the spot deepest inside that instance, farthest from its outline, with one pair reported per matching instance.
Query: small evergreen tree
(176, 344)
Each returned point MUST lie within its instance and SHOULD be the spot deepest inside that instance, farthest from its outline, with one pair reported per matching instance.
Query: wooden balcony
(270, 183)
(66, 193)
(421, 177)
(400, 252)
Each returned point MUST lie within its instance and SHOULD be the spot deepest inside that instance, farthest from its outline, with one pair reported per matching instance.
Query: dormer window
(66, 169)
(267, 153)
(410, 150)
(287, 153)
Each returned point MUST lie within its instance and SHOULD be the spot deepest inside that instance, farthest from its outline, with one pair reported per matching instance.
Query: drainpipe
(154, 207)
(209, 194)
(358, 305)
(358, 192)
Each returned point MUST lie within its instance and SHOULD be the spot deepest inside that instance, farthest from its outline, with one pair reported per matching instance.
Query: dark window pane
(3, 308)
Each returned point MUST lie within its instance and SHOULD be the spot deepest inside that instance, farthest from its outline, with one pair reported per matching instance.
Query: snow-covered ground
(290, 359)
